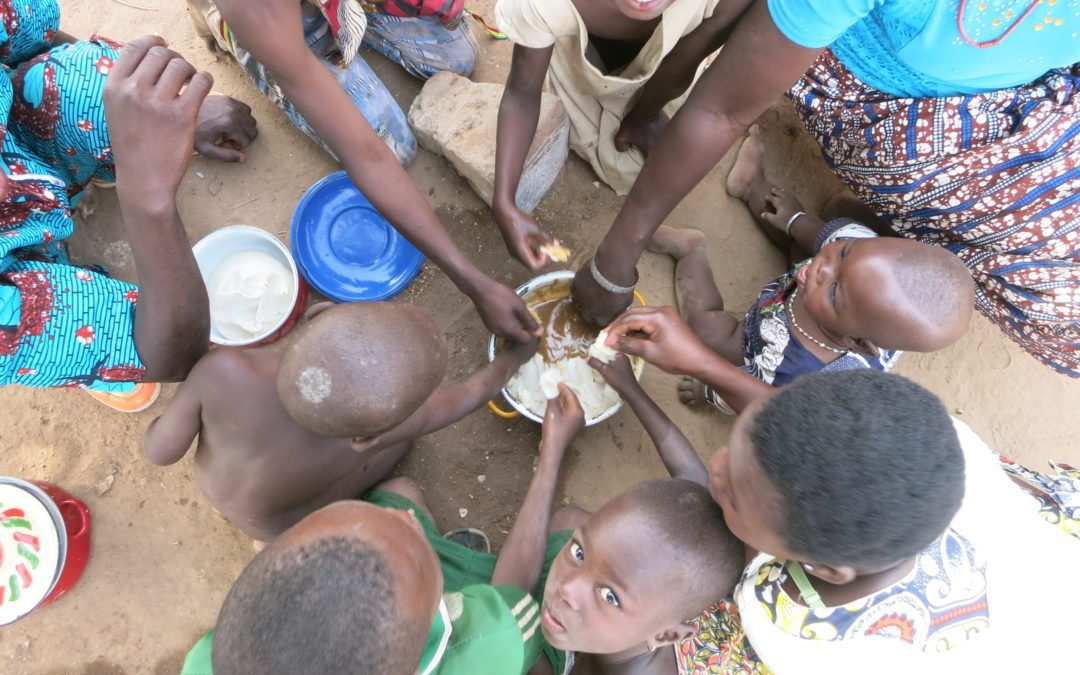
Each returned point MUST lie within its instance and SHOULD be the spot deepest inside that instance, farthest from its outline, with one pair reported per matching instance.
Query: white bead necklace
(808, 336)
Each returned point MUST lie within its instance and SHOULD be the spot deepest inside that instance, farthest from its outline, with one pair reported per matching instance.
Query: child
(858, 302)
(619, 68)
(890, 539)
(275, 428)
(371, 587)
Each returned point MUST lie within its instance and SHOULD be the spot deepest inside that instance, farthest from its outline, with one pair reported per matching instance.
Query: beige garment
(595, 102)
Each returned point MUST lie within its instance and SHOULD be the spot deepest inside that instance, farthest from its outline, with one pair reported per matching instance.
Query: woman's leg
(423, 46)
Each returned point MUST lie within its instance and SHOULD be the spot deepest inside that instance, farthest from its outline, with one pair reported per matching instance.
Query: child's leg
(423, 46)
(700, 301)
(409, 489)
(365, 89)
(747, 182)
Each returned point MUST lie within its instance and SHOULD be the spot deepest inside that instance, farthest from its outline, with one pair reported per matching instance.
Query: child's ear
(837, 576)
(671, 635)
(317, 309)
(865, 347)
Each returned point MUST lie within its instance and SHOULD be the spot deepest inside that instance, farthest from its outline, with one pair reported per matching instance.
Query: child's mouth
(550, 622)
(641, 5)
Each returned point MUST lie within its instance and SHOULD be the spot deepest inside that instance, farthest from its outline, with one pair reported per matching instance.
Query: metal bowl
(553, 285)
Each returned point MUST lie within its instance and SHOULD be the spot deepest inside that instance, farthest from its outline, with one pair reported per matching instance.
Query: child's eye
(577, 552)
(832, 294)
(609, 596)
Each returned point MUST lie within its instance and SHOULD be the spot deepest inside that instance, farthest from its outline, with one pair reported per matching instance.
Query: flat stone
(458, 118)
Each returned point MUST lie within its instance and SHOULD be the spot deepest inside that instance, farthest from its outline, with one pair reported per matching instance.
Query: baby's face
(642, 10)
(604, 593)
(849, 290)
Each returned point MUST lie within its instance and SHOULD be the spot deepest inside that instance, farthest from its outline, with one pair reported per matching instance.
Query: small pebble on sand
(481, 478)
(463, 512)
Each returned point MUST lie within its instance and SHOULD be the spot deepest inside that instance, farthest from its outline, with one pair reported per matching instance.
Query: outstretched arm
(518, 115)
(449, 404)
(522, 557)
(675, 450)
(271, 31)
(152, 99)
(661, 337)
(170, 435)
(756, 66)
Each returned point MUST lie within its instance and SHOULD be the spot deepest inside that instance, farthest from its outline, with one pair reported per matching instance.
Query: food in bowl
(565, 345)
(250, 293)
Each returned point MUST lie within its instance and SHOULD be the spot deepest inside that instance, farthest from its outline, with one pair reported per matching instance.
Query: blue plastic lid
(345, 248)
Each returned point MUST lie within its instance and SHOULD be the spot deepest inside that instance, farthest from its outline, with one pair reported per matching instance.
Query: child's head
(361, 368)
(646, 562)
(888, 293)
(848, 472)
(643, 10)
(352, 588)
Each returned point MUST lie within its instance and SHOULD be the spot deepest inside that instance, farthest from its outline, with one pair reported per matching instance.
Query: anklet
(609, 286)
(808, 336)
(791, 221)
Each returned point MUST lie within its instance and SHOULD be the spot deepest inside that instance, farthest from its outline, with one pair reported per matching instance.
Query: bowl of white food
(560, 358)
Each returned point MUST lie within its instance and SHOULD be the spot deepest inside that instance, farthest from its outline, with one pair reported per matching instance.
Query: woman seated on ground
(956, 122)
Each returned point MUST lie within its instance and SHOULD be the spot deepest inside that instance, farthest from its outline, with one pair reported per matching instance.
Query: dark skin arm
(756, 66)
(170, 435)
(152, 128)
(642, 126)
(661, 337)
(674, 448)
(518, 115)
(271, 31)
(522, 557)
(449, 404)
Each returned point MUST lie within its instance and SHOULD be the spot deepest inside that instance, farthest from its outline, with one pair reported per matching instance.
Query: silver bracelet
(791, 221)
(607, 285)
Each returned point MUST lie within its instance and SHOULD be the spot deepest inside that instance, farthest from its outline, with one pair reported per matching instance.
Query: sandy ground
(162, 562)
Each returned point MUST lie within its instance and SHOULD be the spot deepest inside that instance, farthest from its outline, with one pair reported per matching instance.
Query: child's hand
(152, 99)
(780, 205)
(523, 236)
(520, 352)
(619, 373)
(563, 419)
(224, 128)
(661, 337)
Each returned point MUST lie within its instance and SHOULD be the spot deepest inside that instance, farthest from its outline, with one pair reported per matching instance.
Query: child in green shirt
(372, 587)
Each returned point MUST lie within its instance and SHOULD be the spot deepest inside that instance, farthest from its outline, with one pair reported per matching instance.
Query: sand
(162, 562)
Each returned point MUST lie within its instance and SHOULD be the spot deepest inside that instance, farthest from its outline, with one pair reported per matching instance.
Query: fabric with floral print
(60, 325)
(1057, 493)
(719, 646)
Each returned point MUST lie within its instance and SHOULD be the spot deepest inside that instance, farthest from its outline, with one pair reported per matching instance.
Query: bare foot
(749, 166)
(692, 392)
(676, 242)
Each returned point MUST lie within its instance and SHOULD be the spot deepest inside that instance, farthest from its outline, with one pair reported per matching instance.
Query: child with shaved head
(854, 301)
(276, 429)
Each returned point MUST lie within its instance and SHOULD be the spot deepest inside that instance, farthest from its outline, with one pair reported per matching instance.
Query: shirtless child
(855, 304)
(275, 428)
(621, 68)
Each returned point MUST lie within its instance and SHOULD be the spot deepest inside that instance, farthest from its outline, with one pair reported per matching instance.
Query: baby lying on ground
(275, 428)
(856, 303)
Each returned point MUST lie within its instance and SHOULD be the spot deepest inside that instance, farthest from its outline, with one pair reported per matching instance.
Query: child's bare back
(261, 459)
(261, 468)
